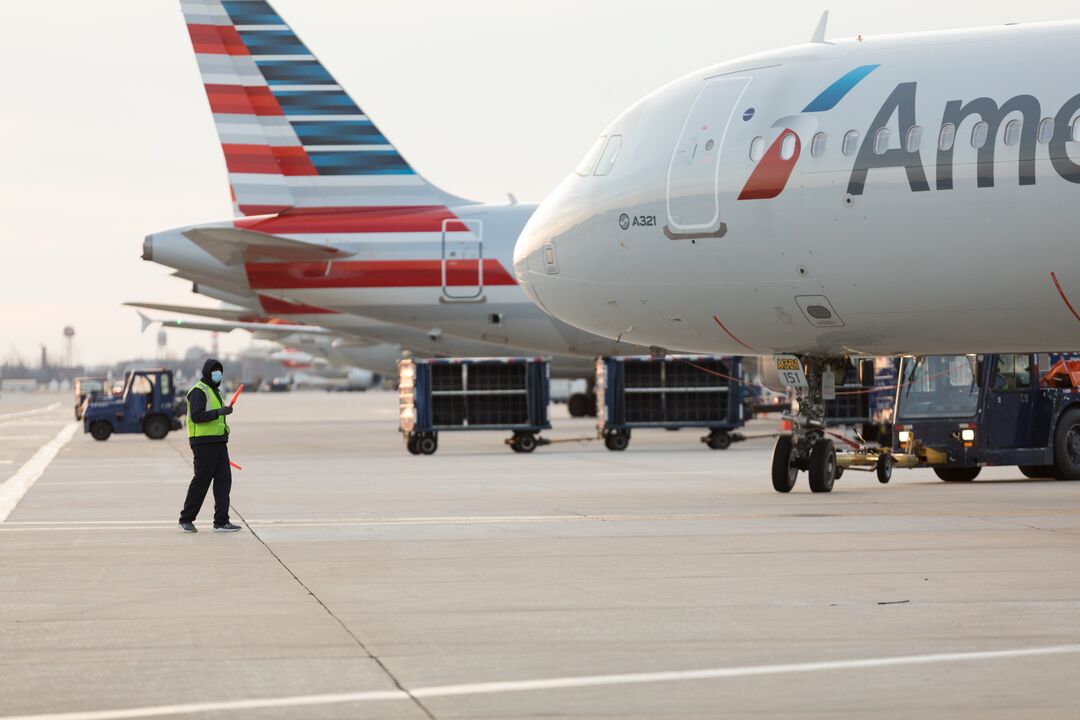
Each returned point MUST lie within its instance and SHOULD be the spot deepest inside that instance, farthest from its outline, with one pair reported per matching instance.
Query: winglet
(146, 322)
(819, 32)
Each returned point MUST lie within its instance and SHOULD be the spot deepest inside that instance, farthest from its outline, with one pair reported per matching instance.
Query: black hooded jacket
(197, 411)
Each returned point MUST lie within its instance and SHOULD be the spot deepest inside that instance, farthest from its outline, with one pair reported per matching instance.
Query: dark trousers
(211, 464)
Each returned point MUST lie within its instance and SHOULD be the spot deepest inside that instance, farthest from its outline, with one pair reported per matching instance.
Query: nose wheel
(784, 470)
(822, 469)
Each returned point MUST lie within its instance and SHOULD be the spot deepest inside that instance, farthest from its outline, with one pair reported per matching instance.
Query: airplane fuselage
(908, 194)
(434, 280)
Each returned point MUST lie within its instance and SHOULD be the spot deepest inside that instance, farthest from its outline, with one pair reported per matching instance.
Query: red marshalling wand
(231, 403)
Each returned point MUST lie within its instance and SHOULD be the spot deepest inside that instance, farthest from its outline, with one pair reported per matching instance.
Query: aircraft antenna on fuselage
(819, 32)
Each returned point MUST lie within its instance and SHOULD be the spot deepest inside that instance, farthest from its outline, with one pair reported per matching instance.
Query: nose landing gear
(807, 448)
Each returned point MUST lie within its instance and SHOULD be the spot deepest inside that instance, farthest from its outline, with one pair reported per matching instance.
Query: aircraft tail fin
(292, 137)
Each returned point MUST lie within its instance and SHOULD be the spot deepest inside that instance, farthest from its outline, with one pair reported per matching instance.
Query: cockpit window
(611, 151)
(588, 163)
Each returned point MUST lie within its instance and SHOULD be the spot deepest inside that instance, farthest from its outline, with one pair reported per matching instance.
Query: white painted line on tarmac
(481, 520)
(12, 491)
(563, 683)
(194, 708)
(27, 413)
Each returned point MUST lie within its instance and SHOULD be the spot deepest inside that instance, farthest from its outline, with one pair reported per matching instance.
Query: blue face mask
(215, 375)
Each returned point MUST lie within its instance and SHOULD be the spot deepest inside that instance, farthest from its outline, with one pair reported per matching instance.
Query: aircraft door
(693, 175)
(1012, 399)
(462, 260)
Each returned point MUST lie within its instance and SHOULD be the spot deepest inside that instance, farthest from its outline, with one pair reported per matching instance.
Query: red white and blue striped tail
(292, 137)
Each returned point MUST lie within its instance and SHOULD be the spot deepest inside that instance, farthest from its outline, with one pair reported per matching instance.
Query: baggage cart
(458, 394)
(671, 393)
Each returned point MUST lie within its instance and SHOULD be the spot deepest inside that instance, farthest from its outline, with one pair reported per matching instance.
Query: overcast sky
(107, 133)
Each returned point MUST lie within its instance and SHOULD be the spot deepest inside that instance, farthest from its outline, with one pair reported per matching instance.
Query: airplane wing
(234, 246)
(238, 315)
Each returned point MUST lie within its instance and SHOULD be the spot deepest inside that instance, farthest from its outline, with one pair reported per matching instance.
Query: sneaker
(188, 527)
(227, 527)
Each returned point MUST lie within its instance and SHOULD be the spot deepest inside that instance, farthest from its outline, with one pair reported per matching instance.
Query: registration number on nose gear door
(790, 371)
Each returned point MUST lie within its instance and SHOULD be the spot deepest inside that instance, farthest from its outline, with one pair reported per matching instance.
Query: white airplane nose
(563, 262)
(530, 264)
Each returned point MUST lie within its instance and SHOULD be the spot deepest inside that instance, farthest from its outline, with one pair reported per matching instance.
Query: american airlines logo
(902, 104)
(1027, 128)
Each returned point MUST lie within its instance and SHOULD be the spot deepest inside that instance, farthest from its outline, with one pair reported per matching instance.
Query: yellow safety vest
(216, 427)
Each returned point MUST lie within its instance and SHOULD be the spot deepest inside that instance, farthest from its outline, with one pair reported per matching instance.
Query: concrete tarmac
(667, 581)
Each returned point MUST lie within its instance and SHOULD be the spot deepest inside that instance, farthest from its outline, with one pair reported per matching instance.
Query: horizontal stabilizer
(240, 295)
(238, 315)
(263, 330)
(233, 246)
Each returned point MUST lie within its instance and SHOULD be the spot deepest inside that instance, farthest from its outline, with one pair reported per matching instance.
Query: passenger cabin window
(757, 148)
(1075, 134)
(881, 141)
(946, 137)
(979, 133)
(787, 146)
(588, 163)
(817, 145)
(1046, 130)
(851, 142)
(1013, 372)
(1012, 132)
(611, 151)
(914, 139)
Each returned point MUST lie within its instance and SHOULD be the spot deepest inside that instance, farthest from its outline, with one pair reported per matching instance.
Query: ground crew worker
(208, 434)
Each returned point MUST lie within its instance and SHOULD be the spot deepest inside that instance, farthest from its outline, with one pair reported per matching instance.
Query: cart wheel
(957, 474)
(884, 469)
(412, 444)
(156, 427)
(719, 440)
(428, 444)
(822, 469)
(617, 441)
(101, 430)
(525, 443)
